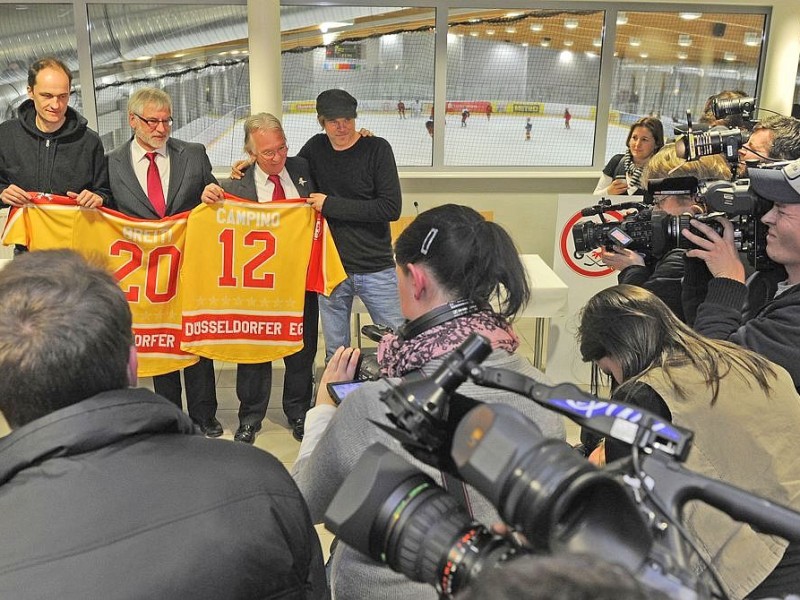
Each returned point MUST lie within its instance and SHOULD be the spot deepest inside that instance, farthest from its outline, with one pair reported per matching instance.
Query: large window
(196, 53)
(383, 56)
(518, 71)
(666, 63)
(29, 32)
(522, 87)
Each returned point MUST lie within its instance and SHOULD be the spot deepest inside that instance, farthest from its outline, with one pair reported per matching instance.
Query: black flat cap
(336, 104)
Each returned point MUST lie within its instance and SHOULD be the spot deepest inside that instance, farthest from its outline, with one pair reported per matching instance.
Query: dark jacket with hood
(68, 160)
(119, 497)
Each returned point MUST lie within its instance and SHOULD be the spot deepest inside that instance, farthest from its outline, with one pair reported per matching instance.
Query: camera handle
(616, 420)
(675, 485)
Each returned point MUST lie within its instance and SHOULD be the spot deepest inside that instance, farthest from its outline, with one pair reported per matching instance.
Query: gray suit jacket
(246, 186)
(189, 173)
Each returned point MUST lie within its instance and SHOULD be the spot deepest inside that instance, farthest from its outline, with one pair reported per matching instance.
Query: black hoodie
(68, 160)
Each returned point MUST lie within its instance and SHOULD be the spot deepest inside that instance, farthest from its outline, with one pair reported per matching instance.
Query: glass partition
(666, 63)
(29, 32)
(196, 53)
(383, 56)
(522, 87)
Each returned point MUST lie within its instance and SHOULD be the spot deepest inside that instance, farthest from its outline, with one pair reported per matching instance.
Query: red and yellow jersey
(246, 268)
(144, 255)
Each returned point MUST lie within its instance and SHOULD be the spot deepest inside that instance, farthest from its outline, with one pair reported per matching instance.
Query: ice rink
(499, 141)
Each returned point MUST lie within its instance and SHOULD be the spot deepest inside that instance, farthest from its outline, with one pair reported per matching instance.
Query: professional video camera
(654, 233)
(390, 511)
(718, 140)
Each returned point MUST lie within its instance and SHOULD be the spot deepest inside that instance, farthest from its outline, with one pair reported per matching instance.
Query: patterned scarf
(397, 357)
(633, 172)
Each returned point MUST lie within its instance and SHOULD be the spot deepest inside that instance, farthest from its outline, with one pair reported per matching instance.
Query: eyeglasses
(153, 123)
(270, 154)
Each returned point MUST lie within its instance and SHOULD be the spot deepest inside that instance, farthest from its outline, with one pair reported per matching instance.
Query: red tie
(277, 192)
(155, 191)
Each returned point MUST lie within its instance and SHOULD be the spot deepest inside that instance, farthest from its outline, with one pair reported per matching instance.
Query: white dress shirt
(264, 187)
(141, 164)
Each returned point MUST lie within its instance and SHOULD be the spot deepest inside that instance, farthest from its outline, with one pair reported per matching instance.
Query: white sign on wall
(585, 275)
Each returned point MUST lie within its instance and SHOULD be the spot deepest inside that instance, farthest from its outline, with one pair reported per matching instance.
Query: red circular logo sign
(588, 264)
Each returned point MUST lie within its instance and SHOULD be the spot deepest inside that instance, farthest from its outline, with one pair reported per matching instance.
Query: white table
(549, 298)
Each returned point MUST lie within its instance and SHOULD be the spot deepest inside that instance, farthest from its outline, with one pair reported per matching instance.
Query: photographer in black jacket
(763, 315)
(662, 275)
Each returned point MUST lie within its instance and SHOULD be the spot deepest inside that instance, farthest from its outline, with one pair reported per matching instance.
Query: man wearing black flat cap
(763, 315)
(359, 196)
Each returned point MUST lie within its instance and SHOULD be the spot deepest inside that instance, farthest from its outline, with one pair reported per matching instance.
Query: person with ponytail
(452, 267)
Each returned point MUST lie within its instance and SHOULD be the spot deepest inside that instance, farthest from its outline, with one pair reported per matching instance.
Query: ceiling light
(643, 55)
(571, 23)
(590, 54)
(751, 38)
(537, 26)
(685, 40)
(473, 33)
(729, 56)
(690, 16)
(597, 42)
(511, 30)
(490, 32)
(635, 42)
(682, 56)
(474, 20)
(568, 43)
(328, 25)
(513, 15)
(622, 18)
(545, 42)
(524, 44)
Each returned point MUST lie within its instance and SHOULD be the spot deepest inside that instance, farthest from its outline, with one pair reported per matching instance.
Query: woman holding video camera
(743, 409)
(664, 176)
(623, 173)
(451, 263)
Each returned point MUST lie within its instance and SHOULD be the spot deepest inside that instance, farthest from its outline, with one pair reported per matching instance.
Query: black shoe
(210, 427)
(247, 433)
(298, 428)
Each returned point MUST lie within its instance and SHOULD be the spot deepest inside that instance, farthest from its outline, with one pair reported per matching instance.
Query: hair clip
(426, 243)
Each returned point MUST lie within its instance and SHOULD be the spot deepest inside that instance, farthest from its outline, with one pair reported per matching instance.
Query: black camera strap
(437, 316)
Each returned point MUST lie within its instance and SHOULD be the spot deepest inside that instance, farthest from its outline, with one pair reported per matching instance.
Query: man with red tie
(275, 177)
(152, 176)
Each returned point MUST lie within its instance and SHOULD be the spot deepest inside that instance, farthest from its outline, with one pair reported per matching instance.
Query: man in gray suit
(275, 177)
(153, 176)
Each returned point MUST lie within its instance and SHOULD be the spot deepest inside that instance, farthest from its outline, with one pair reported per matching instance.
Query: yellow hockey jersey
(144, 256)
(246, 268)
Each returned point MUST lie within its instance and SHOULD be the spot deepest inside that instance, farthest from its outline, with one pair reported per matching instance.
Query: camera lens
(733, 106)
(544, 489)
(396, 514)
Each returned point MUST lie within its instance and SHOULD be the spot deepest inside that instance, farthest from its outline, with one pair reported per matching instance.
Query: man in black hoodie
(48, 148)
